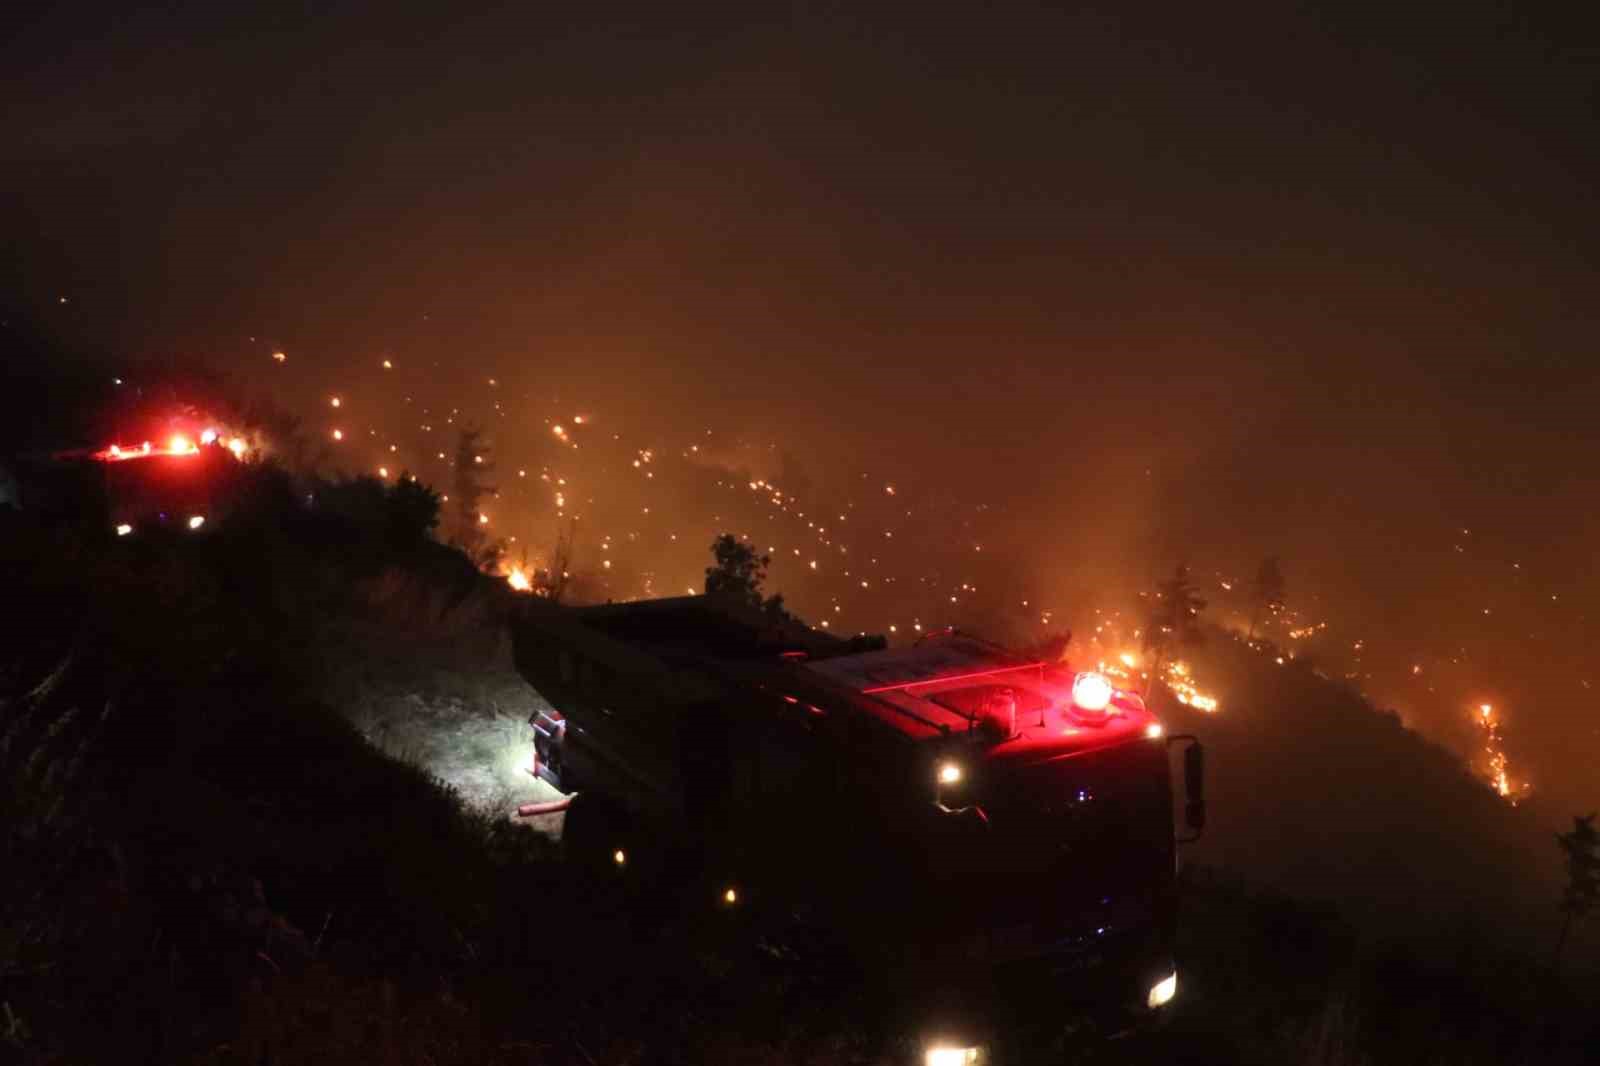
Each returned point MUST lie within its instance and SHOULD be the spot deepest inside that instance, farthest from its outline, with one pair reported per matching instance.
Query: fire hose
(529, 810)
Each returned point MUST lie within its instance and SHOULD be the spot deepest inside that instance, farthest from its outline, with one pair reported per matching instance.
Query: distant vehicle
(996, 832)
(181, 483)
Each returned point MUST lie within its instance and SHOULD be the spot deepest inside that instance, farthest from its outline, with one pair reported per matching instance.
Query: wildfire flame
(1499, 776)
(1180, 680)
(1177, 676)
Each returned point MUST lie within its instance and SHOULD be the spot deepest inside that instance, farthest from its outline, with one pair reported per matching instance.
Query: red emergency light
(1093, 698)
(179, 444)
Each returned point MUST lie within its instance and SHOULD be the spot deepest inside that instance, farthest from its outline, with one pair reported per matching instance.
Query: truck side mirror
(1194, 785)
(1194, 788)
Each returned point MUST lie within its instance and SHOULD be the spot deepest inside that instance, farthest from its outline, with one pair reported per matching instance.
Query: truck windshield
(1084, 825)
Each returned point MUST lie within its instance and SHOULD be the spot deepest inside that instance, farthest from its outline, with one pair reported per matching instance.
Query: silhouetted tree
(1266, 593)
(411, 511)
(737, 577)
(551, 582)
(1175, 616)
(399, 515)
(1582, 895)
(467, 492)
(1174, 619)
(738, 573)
(773, 606)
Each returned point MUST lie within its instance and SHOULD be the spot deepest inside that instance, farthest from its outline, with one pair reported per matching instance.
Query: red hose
(528, 810)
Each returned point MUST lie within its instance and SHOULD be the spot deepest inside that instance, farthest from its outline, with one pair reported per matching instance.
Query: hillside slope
(1315, 793)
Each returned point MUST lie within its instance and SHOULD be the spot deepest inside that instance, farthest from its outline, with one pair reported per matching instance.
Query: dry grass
(444, 697)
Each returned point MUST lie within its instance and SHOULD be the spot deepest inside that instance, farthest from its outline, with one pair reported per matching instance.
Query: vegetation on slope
(207, 863)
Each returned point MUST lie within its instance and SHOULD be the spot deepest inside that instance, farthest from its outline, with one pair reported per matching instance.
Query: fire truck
(996, 832)
(181, 483)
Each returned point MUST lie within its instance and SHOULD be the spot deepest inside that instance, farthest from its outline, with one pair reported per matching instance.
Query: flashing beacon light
(1162, 991)
(950, 1056)
(1091, 692)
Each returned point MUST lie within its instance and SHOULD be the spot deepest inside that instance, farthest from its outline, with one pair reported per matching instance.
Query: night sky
(1093, 291)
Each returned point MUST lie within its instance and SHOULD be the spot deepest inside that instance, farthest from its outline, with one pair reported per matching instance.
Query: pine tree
(1581, 897)
(738, 573)
(1174, 619)
(468, 490)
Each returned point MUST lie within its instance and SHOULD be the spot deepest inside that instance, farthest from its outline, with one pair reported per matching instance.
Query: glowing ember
(518, 579)
(237, 446)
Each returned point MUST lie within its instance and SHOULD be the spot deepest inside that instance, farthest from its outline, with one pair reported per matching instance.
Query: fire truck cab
(997, 831)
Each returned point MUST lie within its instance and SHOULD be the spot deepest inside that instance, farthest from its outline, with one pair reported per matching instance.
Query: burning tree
(468, 522)
(551, 582)
(1266, 593)
(1174, 619)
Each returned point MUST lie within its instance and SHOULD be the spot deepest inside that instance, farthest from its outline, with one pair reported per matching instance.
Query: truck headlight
(1162, 991)
(950, 1056)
